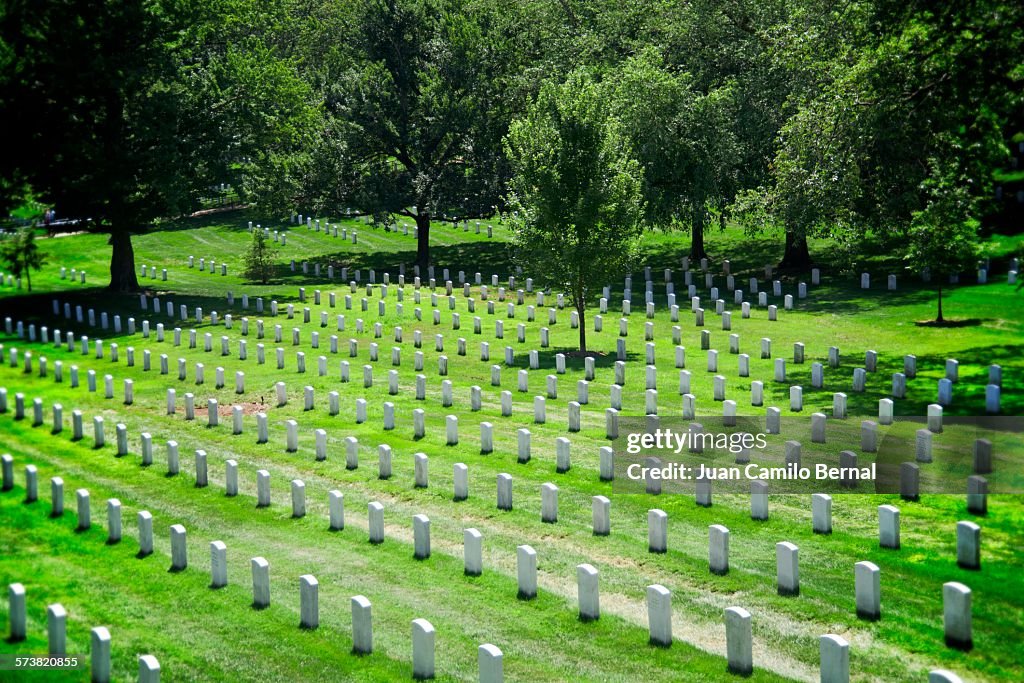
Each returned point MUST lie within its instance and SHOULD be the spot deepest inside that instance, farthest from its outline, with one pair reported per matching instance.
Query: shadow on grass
(575, 361)
(968, 391)
(223, 218)
(967, 322)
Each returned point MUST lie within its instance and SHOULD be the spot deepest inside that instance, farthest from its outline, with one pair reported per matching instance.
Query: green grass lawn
(202, 634)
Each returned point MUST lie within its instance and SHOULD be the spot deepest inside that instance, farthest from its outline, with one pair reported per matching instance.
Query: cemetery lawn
(199, 633)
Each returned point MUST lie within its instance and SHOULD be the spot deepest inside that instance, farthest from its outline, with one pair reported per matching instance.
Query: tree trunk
(697, 251)
(423, 239)
(582, 309)
(796, 256)
(28, 277)
(939, 318)
(122, 263)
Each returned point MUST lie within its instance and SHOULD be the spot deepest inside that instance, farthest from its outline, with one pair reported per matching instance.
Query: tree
(942, 237)
(944, 92)
(417, 112)
(140, 107)
(259, 258)
(752, 49)
(815, 177)
(576, 194)
(890, 100)
(21, 255)
(683, 139)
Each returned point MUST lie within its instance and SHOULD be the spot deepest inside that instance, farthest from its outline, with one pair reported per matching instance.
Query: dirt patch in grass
(248, 408)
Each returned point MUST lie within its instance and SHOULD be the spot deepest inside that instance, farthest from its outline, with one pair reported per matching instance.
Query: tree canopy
(415, 111)
(803, 118)
(576, 197)
(130, 112)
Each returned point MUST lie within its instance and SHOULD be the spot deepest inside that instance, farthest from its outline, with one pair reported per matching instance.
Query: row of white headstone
(935, 414)
(909, 476)
(968, 532)
(312, 224)
(202, 266)
(869, 436)
(150, 271)
(923, 440)
(490, 657)
(620, 366)
(75, 276)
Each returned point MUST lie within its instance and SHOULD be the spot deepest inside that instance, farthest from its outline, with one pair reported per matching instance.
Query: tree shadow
(969, 390)
(574, 361)
(951, 323)
(227, 218)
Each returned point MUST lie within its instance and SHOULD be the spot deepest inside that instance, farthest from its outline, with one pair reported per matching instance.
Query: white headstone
(835, 659)
(738, 641)
(956, 600)
(787, 568)
(867, 587)
(526, 560)
(423, 637)
(309, 602)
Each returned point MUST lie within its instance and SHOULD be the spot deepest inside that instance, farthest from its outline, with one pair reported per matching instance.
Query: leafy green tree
(816, 174)
(945, 88)
(576, 196)
(20, 254)
(131, 111)
(417, 111)
(747, 47)
(683, 139)
(259, 258)
(943, 239)
(889, 102)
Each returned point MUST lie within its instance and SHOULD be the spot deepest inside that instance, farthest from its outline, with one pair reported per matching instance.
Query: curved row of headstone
(757, 387)
(926, 452)
(954, 278)
(839, 399)
(834, 652)
(733, 348)
(311, 223)
(659, 598)
(76, 276)
(859, 376)
(668, 273)
(150, 272)
(909, 478)
(869, 435)
(792, 448)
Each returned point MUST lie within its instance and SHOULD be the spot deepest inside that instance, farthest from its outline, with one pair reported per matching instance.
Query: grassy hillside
(204, 634)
